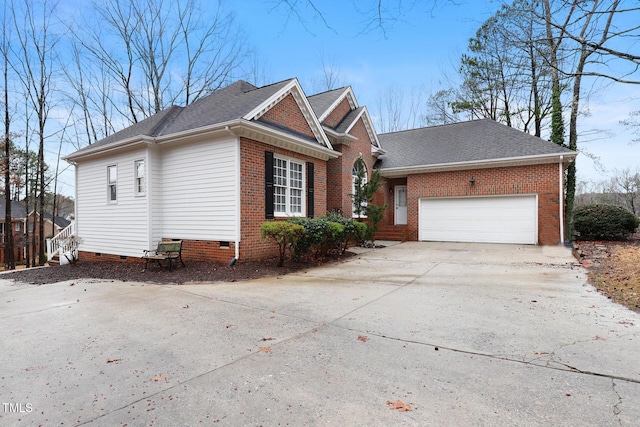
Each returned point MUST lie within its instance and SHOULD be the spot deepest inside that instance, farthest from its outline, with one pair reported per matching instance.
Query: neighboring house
(51, 227)
(20, 222)
(18, 217)
(211, 172)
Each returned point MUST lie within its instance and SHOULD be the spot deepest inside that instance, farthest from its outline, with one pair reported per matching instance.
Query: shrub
(604, 222)
(352, 230)
(285, 234)
(320, 236)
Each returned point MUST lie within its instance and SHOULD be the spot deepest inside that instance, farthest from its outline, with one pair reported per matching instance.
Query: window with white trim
(288, 187)
(140, 178)
(358, 167)
(112, 184)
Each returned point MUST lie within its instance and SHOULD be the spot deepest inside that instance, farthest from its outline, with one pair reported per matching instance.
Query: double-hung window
(140, 182)
(112, 184)
(288, 187)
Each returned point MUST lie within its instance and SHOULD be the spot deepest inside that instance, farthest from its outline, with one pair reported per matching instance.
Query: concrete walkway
(465, 334)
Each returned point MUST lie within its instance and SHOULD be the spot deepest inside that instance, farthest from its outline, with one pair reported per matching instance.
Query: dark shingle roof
(232, 102)
(348, 120)
(229, 103)
(17, 209)
(59, 221)
(321, 102)
(149, 126)
(476, 140)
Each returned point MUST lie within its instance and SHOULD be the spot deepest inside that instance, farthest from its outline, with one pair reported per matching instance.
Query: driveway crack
(563, 366)
(616, 408)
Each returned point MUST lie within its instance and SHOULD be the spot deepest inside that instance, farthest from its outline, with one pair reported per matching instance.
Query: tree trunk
(8, 229)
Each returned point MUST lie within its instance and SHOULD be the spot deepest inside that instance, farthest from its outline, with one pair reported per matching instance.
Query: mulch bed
(193, 272)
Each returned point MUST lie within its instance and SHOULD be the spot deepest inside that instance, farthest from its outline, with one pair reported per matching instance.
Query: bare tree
(6, 161)
(625, 186)
(377, 15)
(633, 122)
(439, 108)
(390, 108)
(36, 52)
(151, 55)
(587, 30)
(331, 77)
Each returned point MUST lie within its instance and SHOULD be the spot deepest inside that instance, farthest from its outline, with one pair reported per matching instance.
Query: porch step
(396, 233)
(54, 261)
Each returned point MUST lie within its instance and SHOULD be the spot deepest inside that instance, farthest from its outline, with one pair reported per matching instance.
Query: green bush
(320, 236)
(604, 222)
(352, 230)
(285, 234)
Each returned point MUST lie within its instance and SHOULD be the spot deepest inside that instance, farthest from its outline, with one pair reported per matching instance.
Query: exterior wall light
(472, 181)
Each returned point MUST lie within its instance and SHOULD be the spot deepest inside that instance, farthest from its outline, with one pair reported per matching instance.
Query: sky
(418, 53)
(420, 50)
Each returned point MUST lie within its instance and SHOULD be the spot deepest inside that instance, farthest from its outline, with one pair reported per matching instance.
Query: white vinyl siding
(502, 219)
(111, 228)
(198, 194)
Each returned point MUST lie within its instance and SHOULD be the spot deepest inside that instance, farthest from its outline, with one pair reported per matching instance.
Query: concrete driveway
(465, 334)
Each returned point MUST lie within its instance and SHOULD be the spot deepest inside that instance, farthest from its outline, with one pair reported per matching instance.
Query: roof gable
(324, 103)
(352, 118)
(294, 89)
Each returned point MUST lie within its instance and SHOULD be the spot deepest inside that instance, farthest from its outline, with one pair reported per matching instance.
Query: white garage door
(511, 219)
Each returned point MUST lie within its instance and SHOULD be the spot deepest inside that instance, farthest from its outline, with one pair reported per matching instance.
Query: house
(20, 223)
(211, 172)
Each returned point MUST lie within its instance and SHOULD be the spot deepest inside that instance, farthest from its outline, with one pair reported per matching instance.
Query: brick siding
(340, 170)
(252, 197)
(335, 117)
(286, 113)
(534, 179)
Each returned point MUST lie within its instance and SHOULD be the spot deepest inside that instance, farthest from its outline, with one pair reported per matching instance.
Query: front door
(401, 205)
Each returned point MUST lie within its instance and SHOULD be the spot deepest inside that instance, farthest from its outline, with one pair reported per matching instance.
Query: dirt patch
(614, 268)
(193, 272)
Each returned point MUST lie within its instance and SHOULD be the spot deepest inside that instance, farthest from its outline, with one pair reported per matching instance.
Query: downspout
(561, 200)
(237, 237)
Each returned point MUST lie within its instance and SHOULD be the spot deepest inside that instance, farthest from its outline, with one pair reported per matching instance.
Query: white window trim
(303, 204)
(109, 184)
(136, 188)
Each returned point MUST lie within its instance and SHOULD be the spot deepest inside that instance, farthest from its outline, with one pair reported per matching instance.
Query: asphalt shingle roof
(321, 102)
(229, 103)
(348, 120)
(461, 142)
(17, 209)
(232, 102)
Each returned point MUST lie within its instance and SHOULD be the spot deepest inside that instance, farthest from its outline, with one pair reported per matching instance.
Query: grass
(619, 276)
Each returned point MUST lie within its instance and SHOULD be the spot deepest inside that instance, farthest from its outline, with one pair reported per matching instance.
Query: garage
(502, 219)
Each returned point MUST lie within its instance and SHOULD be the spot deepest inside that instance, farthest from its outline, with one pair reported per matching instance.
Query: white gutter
(561, 201)
(136, 140)
(475, 164)
(239, 127)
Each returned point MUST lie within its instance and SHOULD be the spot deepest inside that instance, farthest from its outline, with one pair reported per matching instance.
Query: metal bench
(170, 251)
